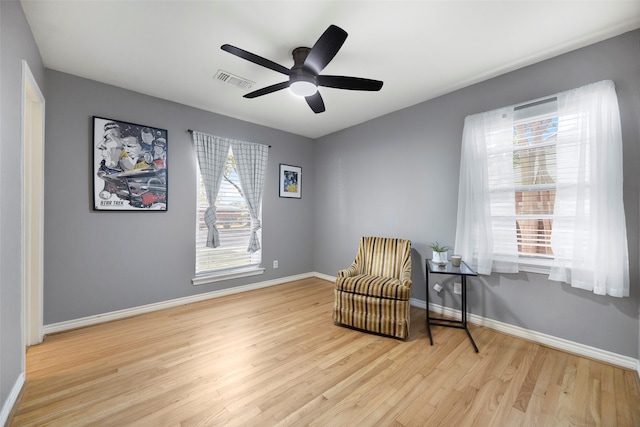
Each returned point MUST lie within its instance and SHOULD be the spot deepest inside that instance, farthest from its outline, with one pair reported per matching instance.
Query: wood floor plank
(273, 357)
(542, 384)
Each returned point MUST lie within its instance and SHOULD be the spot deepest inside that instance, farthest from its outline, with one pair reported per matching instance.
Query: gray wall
(98, 262)
(16, 44)
(398, 176)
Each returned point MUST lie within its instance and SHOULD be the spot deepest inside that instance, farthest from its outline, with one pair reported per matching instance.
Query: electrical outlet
(275, 263)
(457, 288)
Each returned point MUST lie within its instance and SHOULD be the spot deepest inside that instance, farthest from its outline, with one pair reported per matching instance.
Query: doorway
(32, 233)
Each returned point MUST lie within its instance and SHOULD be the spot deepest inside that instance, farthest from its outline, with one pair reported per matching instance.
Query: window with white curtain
(234, 226)
(231, 177)
(541, 190)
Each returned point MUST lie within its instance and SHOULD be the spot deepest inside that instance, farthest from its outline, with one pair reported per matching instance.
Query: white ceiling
(420, 49)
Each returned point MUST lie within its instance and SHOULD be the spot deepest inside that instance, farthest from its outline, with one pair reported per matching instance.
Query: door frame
(32, 207)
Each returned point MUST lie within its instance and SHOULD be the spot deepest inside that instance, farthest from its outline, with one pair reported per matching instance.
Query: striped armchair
(373, 293)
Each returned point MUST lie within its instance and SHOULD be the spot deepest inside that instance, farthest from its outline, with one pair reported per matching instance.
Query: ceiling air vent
(233, 80)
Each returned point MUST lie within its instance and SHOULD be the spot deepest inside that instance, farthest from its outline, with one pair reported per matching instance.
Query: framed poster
(129, 166)
(290, 181)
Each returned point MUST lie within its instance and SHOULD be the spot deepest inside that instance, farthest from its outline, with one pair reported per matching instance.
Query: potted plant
(439, 252)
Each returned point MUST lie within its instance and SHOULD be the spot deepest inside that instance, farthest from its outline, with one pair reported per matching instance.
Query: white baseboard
(538, 337)
(324, 276)
(11, 399)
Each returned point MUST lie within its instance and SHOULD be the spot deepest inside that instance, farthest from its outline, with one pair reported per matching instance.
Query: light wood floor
(274, 357)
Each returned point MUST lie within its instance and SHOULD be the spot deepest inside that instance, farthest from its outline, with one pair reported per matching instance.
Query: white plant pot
(439, 256)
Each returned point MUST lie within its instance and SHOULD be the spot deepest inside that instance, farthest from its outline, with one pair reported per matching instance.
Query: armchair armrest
(405, 277)
(349, 272)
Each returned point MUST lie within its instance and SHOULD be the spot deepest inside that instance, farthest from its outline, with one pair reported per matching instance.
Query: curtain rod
(536, 102)
(191, 132)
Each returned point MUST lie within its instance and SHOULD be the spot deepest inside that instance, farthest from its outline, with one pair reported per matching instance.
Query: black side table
(463, 271)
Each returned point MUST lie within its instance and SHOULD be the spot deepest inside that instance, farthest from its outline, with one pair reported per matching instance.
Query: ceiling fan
(304, 76)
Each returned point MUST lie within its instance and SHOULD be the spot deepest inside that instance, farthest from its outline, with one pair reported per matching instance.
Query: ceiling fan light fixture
(303, 88)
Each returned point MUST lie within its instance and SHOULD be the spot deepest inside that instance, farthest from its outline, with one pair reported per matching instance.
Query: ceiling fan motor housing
(302, 82)
(298, 72)
(301, 75)
(299, 56)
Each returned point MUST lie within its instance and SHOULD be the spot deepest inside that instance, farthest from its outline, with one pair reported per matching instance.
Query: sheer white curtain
(589, 231)
(589, 238)
(251, 160)
(486, 231)
(212, 152)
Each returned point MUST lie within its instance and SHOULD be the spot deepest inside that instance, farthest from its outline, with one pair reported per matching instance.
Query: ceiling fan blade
(325, 49)
(267, 90)
(315, 102)
(349, 83)
(252, 57)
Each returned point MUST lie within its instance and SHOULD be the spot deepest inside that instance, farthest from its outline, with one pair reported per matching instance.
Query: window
(231, 176)
(234, 225)
(541, 188)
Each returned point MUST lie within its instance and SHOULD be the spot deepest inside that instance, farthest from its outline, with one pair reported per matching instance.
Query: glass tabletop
(447, 268)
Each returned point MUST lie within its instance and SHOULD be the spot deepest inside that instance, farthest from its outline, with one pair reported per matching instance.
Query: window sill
(539, 266)
(227, 275)
(528, 268)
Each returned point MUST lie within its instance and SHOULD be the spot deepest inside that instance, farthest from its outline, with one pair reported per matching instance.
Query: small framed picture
(290, 181)
(129, 166)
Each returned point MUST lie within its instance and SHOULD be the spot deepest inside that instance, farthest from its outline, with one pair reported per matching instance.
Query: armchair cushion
(367, 284)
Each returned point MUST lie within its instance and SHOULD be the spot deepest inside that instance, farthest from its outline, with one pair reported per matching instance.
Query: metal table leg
(428, 322)
(464, 312)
